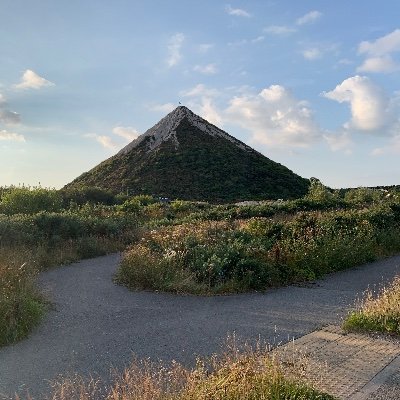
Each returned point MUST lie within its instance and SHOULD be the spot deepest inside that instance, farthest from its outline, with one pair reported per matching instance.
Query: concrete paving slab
(349, 366)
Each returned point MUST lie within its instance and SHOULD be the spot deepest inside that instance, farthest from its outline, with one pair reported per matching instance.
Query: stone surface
(349, 366)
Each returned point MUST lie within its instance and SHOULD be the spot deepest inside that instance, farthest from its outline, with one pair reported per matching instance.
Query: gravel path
(96, 325)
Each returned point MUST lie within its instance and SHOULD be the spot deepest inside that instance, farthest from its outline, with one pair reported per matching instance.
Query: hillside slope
(185, 157)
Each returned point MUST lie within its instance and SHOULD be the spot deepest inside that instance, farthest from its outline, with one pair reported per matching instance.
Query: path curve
(96, 325)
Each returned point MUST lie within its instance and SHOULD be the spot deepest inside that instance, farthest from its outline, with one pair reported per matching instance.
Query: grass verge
(377, 312)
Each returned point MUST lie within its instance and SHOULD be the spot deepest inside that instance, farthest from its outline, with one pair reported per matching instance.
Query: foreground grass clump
(378, 313)
(21, 306)
(244, 376)
(256, 253)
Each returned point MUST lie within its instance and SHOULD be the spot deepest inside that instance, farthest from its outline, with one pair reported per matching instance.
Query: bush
(253, 254)
(25, 200)
(83, 195)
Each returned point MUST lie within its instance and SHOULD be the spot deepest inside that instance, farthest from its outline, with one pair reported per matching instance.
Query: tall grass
(21, 306)
(377, 312)
(235, 375)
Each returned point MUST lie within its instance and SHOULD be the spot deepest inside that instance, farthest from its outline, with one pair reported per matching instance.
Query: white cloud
(104, 140)
(316, 51)
(31, 80)
(201, 100)
(208, 111)
(309, 18)
(126, 132)
(379, 52)
(339, 142)
(238, 12)
(279, 30)
(386, 44)
(258, 39)
(379, 64)
(2, 100)
(275, 118)
(209, 69)
(164, 108)
(174, 49)
(9, 136)
(312, 53)
(369, 104)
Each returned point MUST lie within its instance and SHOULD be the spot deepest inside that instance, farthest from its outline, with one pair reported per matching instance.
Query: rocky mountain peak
(165, 130)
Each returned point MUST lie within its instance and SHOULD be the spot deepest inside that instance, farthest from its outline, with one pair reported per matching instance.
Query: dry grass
(378, 312)
(244, 375)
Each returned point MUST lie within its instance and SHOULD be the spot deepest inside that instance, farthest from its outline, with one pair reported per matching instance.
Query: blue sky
(314, 85)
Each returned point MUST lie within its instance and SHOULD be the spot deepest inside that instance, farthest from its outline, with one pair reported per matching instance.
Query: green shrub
(26, 200)
(253, 254)
(83, 195)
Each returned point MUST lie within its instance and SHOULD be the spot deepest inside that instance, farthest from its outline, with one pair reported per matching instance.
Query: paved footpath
(95, 325)
(349, 366)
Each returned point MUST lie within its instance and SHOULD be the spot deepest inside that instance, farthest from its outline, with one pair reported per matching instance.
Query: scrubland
(199, 248)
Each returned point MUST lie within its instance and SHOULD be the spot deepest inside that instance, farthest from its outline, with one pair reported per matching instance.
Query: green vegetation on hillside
(202, 167)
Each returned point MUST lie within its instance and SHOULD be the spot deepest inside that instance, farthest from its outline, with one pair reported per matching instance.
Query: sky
(313, 85)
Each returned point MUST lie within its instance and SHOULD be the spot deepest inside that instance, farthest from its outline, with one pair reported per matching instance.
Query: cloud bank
(275, 118)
